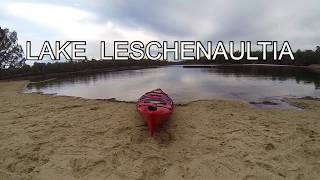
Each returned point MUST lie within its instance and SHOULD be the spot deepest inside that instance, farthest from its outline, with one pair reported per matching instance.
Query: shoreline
(46, 137)
(314, 67)
(251, 104)
(84, 72)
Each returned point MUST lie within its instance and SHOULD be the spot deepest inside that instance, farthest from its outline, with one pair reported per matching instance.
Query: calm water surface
(246, 83)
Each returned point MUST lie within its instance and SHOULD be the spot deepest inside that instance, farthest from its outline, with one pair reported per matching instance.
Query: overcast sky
(146, 20)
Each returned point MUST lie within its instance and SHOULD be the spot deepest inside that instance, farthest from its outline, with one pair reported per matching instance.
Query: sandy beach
(56, 137)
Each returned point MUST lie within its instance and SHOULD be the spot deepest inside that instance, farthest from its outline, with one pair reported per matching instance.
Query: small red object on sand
(155, 107)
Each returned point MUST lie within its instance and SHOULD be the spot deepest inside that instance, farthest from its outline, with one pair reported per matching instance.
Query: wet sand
(55, 137)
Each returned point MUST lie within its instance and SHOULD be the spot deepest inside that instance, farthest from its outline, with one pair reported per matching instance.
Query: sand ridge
(56, 137)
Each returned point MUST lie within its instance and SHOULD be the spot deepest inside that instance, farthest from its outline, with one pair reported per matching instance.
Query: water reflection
(188, 84)
(280, 73)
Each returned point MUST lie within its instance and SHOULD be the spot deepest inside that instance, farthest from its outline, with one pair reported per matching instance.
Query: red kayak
(155, 107)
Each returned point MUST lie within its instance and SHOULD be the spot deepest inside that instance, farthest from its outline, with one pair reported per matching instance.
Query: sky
(205, 20)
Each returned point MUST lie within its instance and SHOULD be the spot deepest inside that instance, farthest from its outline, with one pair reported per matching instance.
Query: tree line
(302, 58)
(41, 69)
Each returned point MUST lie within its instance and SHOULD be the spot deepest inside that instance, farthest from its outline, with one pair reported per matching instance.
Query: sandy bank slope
(48, 137)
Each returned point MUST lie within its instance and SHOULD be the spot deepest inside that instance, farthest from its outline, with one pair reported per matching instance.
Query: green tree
(11, 53)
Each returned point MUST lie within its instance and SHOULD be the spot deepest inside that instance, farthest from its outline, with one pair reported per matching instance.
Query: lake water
(185, 84)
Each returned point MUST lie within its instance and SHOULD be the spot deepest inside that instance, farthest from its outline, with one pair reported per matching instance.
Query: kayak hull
(155, 108)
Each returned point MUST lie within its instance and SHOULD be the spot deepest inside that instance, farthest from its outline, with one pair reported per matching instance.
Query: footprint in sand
(151, 168)
(250, 177)
(164, 137)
